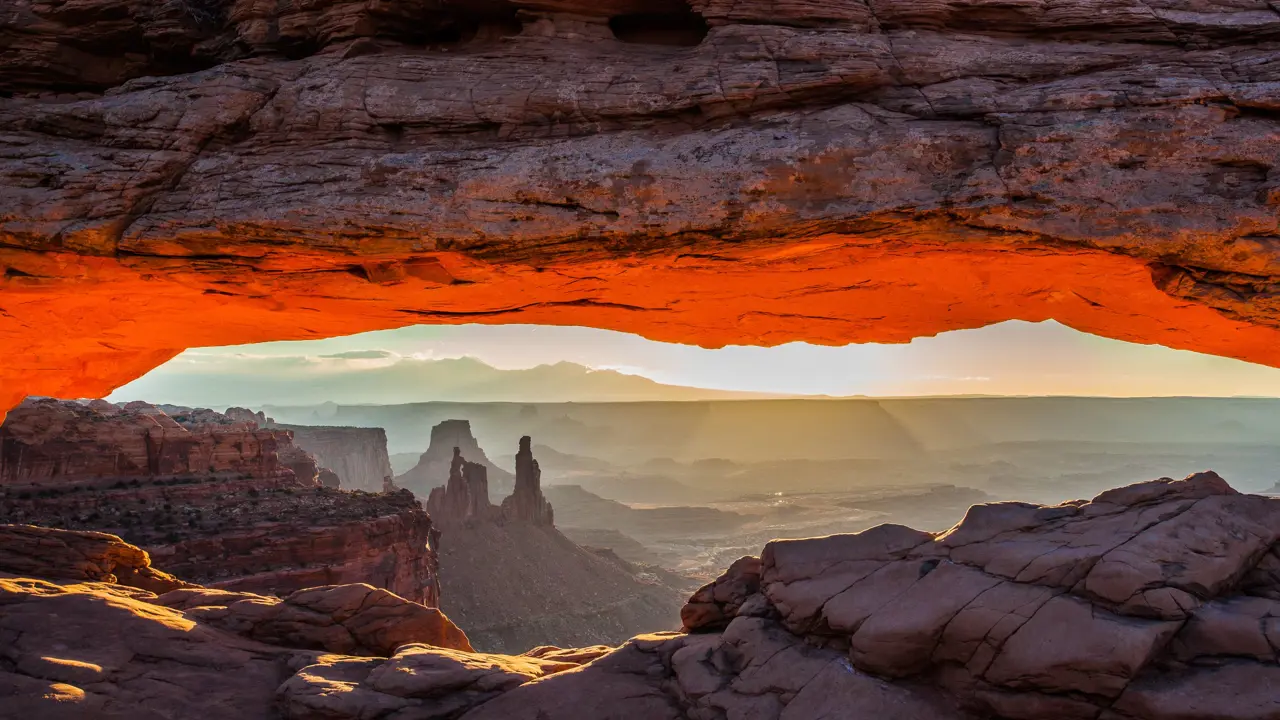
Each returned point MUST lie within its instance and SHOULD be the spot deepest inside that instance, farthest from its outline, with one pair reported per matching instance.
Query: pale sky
(1012, 358)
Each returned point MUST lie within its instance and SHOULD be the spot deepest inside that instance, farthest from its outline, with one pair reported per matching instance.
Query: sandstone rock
(236, 517)
(945, 636)
(449, 439)
(358, 456)
(718, 602)
(526, 502)
(60, 446)
(731, 173)
(464, 499)
(418, 681)
(514, 586)
(31, 551)
(353, 619)
(89, 651)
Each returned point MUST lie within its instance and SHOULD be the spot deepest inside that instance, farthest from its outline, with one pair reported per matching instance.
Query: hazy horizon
(522, 363)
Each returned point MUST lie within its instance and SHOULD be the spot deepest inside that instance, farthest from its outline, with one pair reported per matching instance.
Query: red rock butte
(176, 175)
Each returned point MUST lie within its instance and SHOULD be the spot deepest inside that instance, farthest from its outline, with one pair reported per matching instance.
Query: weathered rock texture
(52, 444)
(1151, 601)
(211, 498)
(448, 439)
(464, 498)
(1158, 601)
(357, 456)
(354, 619)
(526, 502)
(30, 551)
(713, 172)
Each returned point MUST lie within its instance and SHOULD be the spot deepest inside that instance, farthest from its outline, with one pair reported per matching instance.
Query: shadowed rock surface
(212, 497)
(702, 171)
(526, 502)
(1150, 602)
(514, 581)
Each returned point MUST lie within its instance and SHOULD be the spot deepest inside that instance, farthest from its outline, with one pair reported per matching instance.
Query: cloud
(362, 355)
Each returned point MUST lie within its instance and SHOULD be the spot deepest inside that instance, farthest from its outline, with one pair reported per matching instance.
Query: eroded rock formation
(1156, 601)
(357, 456)
(514, 581)
(526, 502)
(464, 498)
(448, 439)
(51, 444)
(353, 619)
(704, 172)
(216, 500)
(30, 551)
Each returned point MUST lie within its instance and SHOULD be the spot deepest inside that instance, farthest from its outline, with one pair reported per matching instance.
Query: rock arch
(844, 171)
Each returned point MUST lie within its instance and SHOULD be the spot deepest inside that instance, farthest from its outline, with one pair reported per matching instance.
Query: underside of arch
(849, 171)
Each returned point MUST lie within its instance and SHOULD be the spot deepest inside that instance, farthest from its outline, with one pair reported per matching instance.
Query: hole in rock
(679, 27)
(442, 28)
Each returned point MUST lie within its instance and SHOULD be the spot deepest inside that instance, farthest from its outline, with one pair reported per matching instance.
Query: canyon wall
(751, 172)
(358, 456)
(220, 500)
(49, 443)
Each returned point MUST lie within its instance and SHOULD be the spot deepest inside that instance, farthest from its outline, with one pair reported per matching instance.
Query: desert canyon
(190, 173)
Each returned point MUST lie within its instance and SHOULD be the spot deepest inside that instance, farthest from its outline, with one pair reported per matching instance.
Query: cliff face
(435, 465)
(251, 524)
(50, 443)
(358, 456)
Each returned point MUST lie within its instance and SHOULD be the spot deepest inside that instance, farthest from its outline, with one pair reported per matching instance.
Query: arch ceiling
(757, 171)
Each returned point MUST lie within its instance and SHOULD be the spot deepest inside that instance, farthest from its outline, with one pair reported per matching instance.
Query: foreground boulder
(1123, 604)
(1156, 601)
(39, 552)
(354, 619)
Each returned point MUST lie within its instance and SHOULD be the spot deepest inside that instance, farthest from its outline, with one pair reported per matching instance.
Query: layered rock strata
(701, 171)
(1151, 602)
(48, 444)
(248, 524)
(30, 551)
(448, 439)
(356, 456)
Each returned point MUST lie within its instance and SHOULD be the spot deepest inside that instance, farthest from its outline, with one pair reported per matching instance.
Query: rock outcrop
(700, 171)
(464, 498)
(50, 445)
(514, 581)
(30, 551)
(526, 502)
(436, 464)
(357, 456)
(1130, 605)
(355, 619)
(236, 516)
(1156, 601)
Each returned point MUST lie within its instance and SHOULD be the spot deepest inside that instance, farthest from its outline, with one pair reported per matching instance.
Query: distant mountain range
(351, 379)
